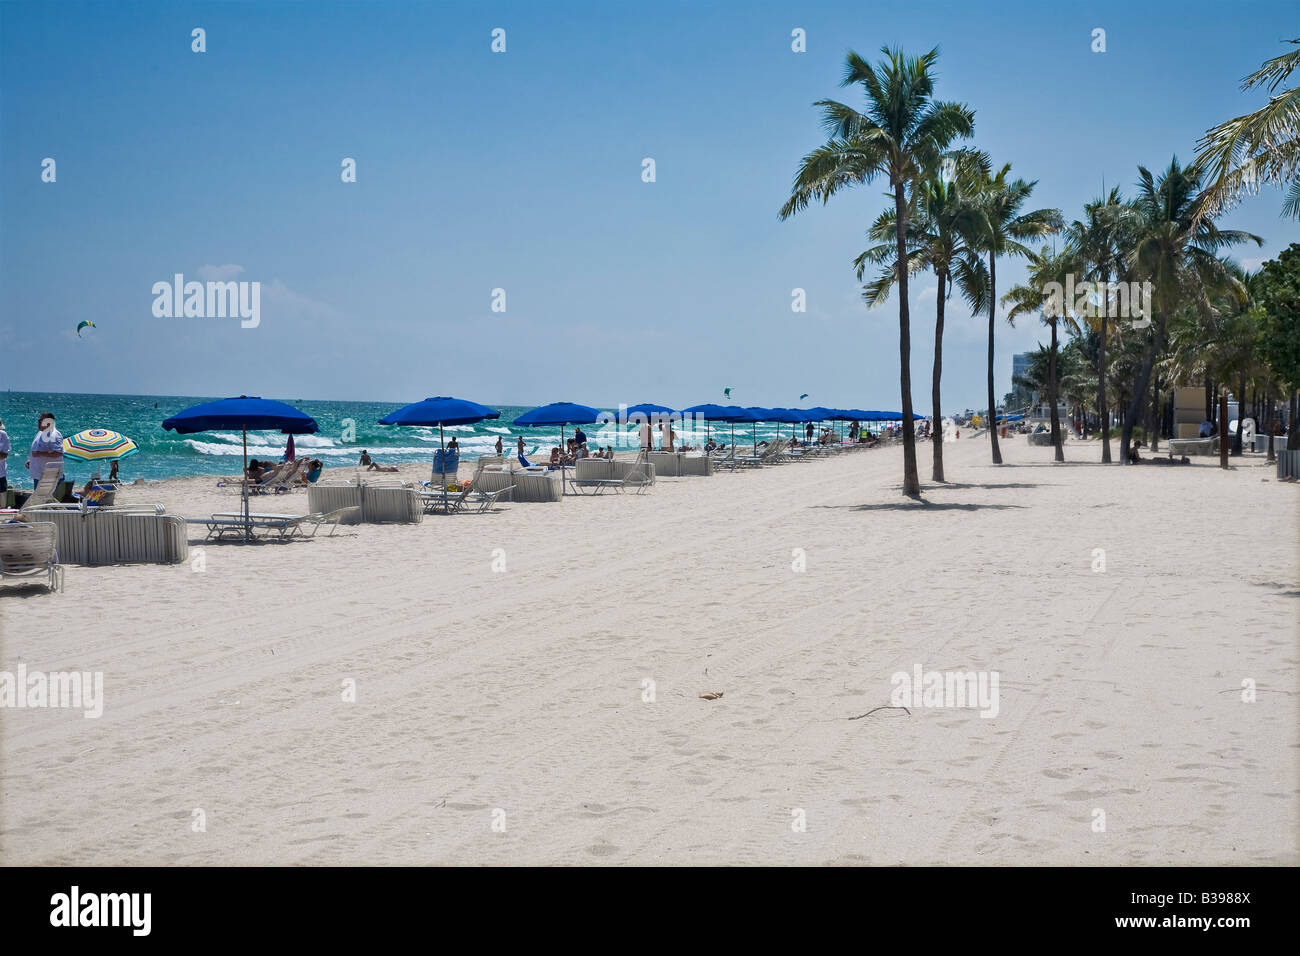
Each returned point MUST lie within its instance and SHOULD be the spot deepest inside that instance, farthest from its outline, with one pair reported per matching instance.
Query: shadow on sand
(920, 504)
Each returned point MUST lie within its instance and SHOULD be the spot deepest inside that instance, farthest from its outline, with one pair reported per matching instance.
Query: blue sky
(522, 171)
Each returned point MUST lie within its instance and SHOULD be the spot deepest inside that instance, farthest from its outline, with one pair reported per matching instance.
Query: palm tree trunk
(1153, 416)
(1269, 412)
(1051, 396)
(1138, 397)
(936, 433)
(1102, 412)
(1293, 433)
(1223, 427)
(993, 403)
(911, 480)
(1241, 414)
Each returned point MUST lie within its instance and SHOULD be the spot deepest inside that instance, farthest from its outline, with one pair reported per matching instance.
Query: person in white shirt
(5, 448)
(47, 448)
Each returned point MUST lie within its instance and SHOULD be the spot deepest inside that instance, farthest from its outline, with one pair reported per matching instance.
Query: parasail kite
(84, 325)
(727, 391)
(803, 396)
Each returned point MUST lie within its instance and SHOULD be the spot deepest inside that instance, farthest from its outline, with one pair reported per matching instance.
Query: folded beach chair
(30, 549)
(45, 487)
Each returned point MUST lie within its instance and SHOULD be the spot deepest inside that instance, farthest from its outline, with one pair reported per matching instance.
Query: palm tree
(1045, 267)
(942, 236)
(1176, 250)
(1100, 242)
(1000, 201)
(901, 136)
(1263, 146)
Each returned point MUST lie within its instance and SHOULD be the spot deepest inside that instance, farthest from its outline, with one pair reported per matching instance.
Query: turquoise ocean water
(165, 454)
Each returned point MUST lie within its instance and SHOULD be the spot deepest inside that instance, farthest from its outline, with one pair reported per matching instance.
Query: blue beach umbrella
(560, 413)
(440, 411)
(652, 412)
(245, 413)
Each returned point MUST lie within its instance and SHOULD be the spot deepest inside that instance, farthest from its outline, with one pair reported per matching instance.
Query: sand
(505, 717)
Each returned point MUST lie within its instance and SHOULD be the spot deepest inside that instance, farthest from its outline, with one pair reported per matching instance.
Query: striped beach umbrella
(98, 444)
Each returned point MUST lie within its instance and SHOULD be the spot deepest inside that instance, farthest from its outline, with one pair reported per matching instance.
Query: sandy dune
(522, 691)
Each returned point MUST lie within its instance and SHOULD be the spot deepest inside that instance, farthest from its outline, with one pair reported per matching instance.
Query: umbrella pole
(248, 531)
(563, 472)
(442, 443)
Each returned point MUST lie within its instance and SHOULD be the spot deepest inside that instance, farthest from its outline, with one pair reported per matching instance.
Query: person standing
(667, 436)
(47, 448)
(647, 437)
(499, 446)
(5, 448)
(808, 432)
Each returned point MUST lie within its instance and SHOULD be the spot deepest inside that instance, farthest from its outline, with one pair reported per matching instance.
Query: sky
(523, 171)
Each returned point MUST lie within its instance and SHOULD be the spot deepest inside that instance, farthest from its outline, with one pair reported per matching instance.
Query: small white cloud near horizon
(930, 294)
(1252, 265)
(220, 273)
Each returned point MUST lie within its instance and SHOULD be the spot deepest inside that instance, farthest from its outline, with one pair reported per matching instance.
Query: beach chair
(281, 526)
(44, 492)
(441, 501)
(27, 550)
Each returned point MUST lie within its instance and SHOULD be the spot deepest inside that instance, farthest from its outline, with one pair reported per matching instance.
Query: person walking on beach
(5, 448)
(498, 446)
(47, 448)
(667, 436)
(521, 446)
(647, 437)
(807, 432)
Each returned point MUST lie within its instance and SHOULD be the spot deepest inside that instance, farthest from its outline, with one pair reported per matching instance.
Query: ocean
(346, 428)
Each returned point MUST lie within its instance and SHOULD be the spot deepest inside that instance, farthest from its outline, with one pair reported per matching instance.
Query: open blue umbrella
(651, 410)
(560, 413)
(440, 411)
(245, 413)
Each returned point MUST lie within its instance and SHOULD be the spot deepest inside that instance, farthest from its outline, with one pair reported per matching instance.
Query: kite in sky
(84, 325)
(727, 391)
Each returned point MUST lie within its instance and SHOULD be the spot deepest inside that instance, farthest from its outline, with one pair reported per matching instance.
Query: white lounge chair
(43, 494)
(27, 550)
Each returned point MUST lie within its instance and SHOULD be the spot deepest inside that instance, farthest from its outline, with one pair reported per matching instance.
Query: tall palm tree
(1259, 147)
(1176, 249)
(1100, 242)
(942, 236)
(1000, 200)
(902, 136)
(1045, 267)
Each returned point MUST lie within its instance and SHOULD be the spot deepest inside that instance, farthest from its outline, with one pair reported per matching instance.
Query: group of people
(47, 449)
(259, 470)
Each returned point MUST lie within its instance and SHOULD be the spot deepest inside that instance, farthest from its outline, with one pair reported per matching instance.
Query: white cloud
(1251, 265)
(220, 273)
(295, 304)
(929, 295)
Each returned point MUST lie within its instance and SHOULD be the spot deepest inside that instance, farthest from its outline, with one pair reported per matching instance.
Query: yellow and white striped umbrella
(98, 444)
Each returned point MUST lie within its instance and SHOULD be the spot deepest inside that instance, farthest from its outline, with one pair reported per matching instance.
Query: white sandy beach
(523, 691)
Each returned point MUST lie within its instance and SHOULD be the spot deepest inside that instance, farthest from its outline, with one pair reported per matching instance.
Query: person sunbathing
(556, 457)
